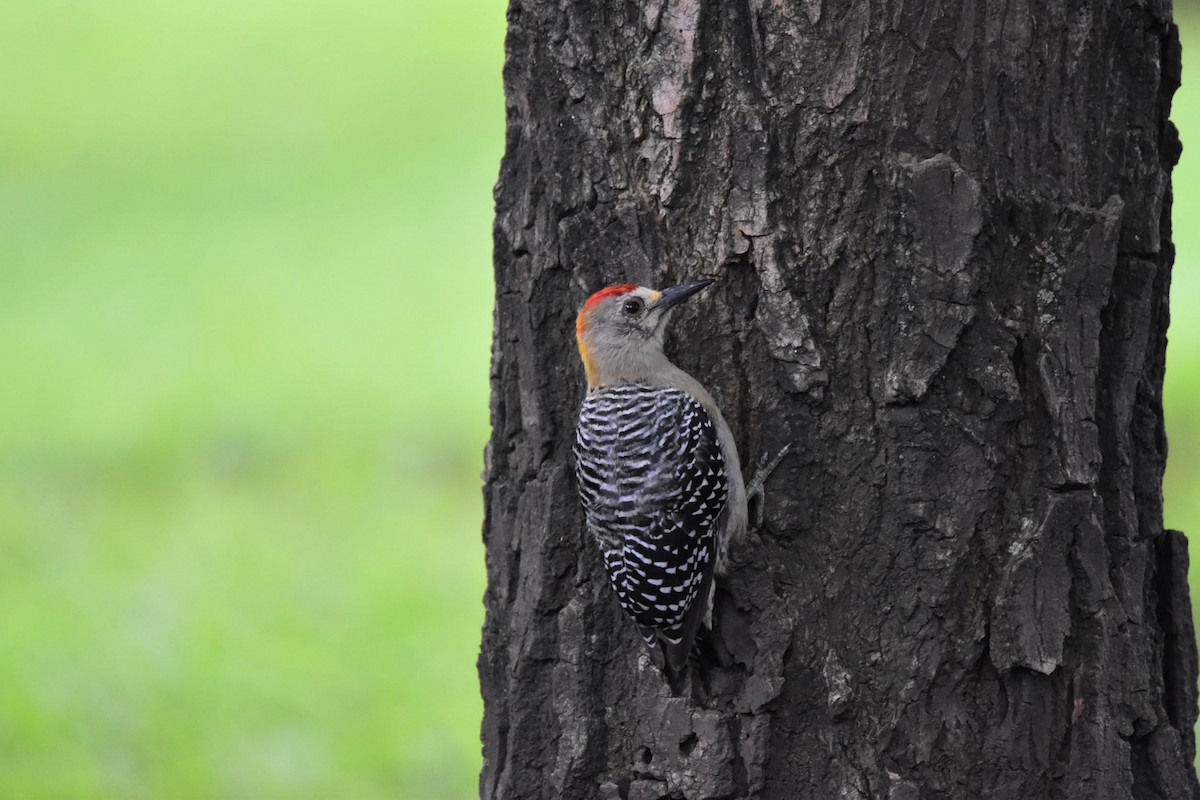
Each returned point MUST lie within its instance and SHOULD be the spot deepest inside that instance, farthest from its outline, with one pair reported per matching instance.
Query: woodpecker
(658, 470)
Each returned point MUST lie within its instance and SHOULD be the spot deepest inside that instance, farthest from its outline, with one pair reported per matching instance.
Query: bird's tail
(671, 647)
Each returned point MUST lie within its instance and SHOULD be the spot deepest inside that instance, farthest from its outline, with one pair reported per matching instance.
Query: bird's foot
(756, 486)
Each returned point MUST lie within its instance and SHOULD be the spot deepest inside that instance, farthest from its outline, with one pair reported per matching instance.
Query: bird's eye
(632, 306)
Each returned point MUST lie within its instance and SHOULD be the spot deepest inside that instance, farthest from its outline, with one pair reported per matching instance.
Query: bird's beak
(677, 294)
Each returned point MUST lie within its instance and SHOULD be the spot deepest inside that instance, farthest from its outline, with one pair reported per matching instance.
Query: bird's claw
(756, 485)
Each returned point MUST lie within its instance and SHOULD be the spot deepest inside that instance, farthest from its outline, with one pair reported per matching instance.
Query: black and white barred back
(654, 485)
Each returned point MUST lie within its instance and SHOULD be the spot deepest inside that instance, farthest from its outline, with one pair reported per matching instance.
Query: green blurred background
(239, 473)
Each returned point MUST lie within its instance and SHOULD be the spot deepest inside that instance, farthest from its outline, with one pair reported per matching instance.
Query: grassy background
(1181, 489)
(239, 504)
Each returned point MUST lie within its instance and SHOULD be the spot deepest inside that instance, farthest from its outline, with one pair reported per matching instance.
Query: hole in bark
(687, 744)
(646, 755)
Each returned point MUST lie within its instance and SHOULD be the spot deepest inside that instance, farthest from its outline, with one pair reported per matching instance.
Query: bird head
(620, 331)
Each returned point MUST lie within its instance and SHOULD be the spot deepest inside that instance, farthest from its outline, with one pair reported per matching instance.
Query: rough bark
(943, 236)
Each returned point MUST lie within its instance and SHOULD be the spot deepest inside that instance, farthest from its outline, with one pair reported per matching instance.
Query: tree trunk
(942, 231)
